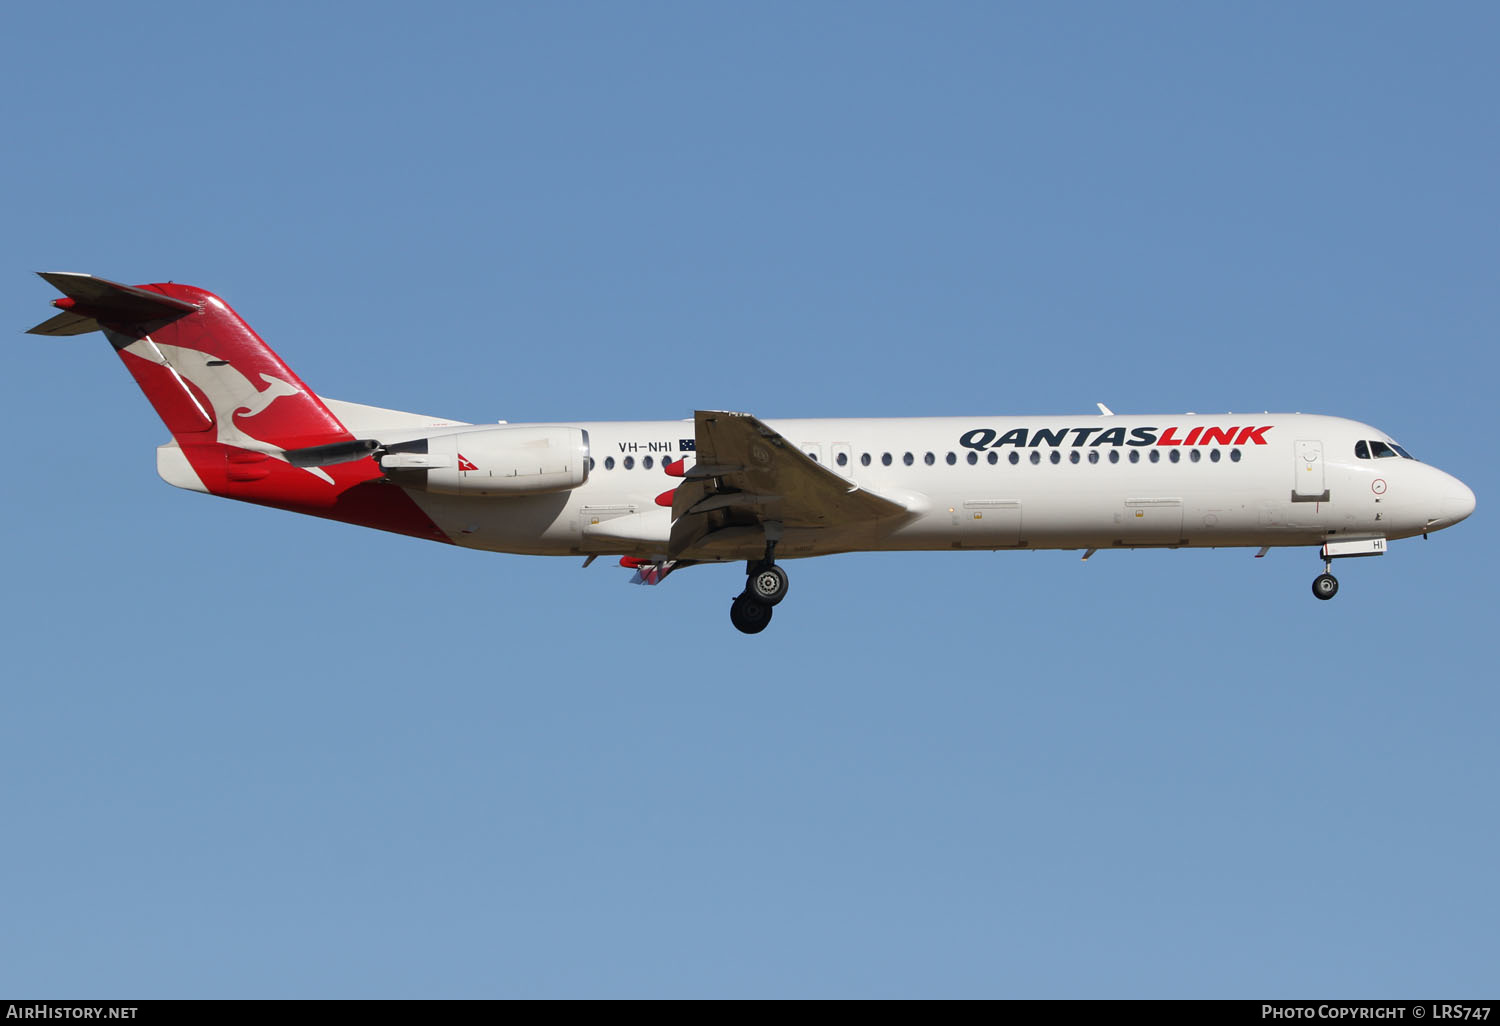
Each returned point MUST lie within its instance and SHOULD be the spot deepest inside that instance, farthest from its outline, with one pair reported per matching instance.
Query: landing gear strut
(765, 587)
(1325, 585)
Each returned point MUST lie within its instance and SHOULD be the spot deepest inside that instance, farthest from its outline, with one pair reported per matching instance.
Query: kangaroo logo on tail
(229, 392)
(277, 388)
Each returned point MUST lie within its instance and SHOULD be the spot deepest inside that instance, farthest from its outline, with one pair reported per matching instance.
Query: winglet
(87, 299)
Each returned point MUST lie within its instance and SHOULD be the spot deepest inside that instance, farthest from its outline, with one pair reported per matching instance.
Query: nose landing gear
(1325, 586)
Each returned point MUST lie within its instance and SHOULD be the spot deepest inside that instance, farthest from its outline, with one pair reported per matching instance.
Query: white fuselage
(998, 483)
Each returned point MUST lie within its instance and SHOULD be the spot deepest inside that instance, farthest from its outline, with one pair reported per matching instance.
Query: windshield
(1369, 449)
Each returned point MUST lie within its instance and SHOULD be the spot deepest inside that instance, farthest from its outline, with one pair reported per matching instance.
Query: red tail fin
(210, 376)
(232, 405)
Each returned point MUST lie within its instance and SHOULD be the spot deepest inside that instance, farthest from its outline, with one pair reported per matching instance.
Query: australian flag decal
(687, 445)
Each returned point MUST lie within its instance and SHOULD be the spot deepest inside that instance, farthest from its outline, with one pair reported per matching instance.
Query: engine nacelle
(492, 461)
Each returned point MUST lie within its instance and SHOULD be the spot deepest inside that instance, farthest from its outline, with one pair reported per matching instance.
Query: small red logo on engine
(464, 464)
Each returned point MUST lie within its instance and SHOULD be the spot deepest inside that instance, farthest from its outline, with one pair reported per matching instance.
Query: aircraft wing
(747, 475)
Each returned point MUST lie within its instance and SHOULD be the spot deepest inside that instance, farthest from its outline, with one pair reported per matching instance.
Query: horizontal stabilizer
(89, 300)
(66, 323)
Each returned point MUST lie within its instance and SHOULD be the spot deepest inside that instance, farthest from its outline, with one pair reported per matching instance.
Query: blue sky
(251, 754)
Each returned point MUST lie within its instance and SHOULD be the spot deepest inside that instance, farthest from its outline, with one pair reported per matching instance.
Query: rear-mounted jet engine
(476, 461)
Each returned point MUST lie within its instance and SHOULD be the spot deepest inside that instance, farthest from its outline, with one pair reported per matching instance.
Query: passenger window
(629, 463)
(1362, 450)
(952, 459)
(1093, 455)
(1195, 455)
(1036, 457)
(1015, 458)
(994, 457)
(885, 459)
(1114, 455)
(1214, 455)
(864, 459)
(1056, 457)
(929, 459)
(907, 459)
(812, 456)
(591, 463)
(1073, 456)
(1135, 455)
(842, 459)
(609, 463)
(1234, 455)
(1176, 456)
(646, 462)
(1155, 455)
(973, 457)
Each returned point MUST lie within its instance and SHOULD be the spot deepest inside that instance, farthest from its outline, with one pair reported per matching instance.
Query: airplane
(729, 487)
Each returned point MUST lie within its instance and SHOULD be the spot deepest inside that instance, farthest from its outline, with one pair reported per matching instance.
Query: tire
(1325, 586)
(749, 615)
(768, 584)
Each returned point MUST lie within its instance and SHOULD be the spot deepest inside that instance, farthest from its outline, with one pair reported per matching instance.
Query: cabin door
(1309, 485)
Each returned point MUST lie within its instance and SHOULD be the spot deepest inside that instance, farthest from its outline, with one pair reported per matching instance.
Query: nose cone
(1458, 502)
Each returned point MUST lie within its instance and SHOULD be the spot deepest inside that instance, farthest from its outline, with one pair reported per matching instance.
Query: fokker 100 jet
(663, 495)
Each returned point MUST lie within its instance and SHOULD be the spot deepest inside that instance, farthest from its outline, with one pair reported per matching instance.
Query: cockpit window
(1380, 451)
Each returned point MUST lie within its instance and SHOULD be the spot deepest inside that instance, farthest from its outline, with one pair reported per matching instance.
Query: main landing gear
(1325, 585)
(766, 583)
(749, 615)
(765, 587)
